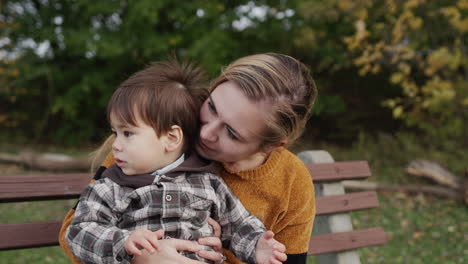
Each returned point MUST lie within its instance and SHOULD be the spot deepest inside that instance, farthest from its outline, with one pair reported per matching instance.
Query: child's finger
(280, 256)
(213, 242)
(159, 233)
(153, 240)
(214, 256)
(144, 243)
(268, 234)
(132, 249)
(274, 261)
(279, 247)
(216, 227)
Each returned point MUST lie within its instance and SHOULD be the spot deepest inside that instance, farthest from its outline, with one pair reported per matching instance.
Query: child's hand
(143, 239)
(269, 250)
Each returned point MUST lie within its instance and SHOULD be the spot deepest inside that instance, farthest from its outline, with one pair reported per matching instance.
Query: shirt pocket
(197, 210)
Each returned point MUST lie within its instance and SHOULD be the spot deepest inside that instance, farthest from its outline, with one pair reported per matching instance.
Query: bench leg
(330, 223)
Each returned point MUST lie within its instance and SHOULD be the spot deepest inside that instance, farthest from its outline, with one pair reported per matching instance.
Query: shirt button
(118, 258)
(168, 198)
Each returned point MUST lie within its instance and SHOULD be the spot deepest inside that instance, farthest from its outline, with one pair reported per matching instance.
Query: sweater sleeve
(93, 235)
(298, 221)
(240, 230)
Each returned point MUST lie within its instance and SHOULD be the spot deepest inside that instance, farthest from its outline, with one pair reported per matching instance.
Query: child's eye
(127, 133)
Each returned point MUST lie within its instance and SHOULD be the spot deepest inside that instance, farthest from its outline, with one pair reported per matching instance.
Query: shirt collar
(171, 166)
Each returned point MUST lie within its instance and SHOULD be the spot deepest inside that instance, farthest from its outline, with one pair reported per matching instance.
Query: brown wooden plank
(29, 235)
(335, 242)
(346, 202)
(341, 170)
(42, 186)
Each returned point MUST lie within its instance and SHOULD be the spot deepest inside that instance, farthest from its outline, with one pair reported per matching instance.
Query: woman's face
(230, 125)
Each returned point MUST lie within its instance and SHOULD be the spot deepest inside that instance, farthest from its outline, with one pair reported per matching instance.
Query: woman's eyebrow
(213, 104)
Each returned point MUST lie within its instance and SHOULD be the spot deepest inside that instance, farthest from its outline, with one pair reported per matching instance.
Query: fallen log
(48, 161)
(440, 191)
(435, 172)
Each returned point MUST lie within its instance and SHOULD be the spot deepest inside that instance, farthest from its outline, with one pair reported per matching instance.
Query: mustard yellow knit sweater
(280, 193)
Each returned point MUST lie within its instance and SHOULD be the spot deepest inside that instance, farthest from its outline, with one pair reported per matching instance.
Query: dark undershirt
(296, 258)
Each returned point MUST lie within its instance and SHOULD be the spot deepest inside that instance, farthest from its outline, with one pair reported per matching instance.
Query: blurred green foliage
(61, 60)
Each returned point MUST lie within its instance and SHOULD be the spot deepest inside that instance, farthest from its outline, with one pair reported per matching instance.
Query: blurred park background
(392, 78)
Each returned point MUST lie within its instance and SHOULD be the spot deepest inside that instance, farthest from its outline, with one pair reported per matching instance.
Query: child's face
(137, 149)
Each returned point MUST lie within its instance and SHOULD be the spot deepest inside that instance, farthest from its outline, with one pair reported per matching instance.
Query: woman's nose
(208, 132)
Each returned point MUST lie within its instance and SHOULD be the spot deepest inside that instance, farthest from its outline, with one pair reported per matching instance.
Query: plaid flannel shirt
(181, 205)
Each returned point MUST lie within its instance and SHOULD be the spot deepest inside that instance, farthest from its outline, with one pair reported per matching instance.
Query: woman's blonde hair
(282, 81)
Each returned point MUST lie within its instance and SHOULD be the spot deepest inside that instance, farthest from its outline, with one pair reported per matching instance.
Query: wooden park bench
(333, 239)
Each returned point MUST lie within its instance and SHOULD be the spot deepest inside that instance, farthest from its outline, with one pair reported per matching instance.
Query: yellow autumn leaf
(463, 4)
(415, 23)
(461, 25)
(404, 67)
(391, 6)
(398, 111)
(362, 14)
(397, 77)
(465, 102)
(412, 4)
(345, 5)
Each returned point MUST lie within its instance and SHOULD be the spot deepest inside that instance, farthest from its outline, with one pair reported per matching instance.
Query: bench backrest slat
(346, 202)
(341, 170)
(70, 185)
(42, 186)
(333, 242)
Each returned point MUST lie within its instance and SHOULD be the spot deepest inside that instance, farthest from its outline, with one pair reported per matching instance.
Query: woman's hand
(214, 242)
(168, 253)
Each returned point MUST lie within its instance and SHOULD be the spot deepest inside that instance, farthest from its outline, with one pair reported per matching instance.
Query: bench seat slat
(346, 202)
(29, 235)
(42, 187)
(335, 242)
(341, 170)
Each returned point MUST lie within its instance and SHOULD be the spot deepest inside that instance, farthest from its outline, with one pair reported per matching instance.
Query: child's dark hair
(162, 95)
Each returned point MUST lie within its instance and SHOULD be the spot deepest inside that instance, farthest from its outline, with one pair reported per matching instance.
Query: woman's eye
(211, 107)
(127, 133)
(230, 134)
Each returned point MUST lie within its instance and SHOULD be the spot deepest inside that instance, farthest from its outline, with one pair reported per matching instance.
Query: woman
(258, 106)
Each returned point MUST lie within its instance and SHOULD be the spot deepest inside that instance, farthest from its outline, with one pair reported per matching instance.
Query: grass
(423, 229)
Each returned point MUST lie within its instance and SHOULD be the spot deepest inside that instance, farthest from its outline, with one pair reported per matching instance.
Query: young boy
(158, 186)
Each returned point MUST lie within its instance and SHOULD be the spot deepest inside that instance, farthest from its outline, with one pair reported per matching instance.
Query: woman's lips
(205, 147)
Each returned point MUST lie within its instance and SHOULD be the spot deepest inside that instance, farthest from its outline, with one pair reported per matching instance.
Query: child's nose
(116, 146)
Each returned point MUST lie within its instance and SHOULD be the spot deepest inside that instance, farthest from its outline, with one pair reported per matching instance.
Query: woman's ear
(270, 148)
(174, 139)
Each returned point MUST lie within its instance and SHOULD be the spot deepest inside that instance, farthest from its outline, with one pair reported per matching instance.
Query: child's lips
(119, 162)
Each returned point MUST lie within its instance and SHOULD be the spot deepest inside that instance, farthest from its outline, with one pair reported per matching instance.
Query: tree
(423, 46)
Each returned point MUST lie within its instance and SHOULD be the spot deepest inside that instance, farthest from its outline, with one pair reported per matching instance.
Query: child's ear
(174, 139)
